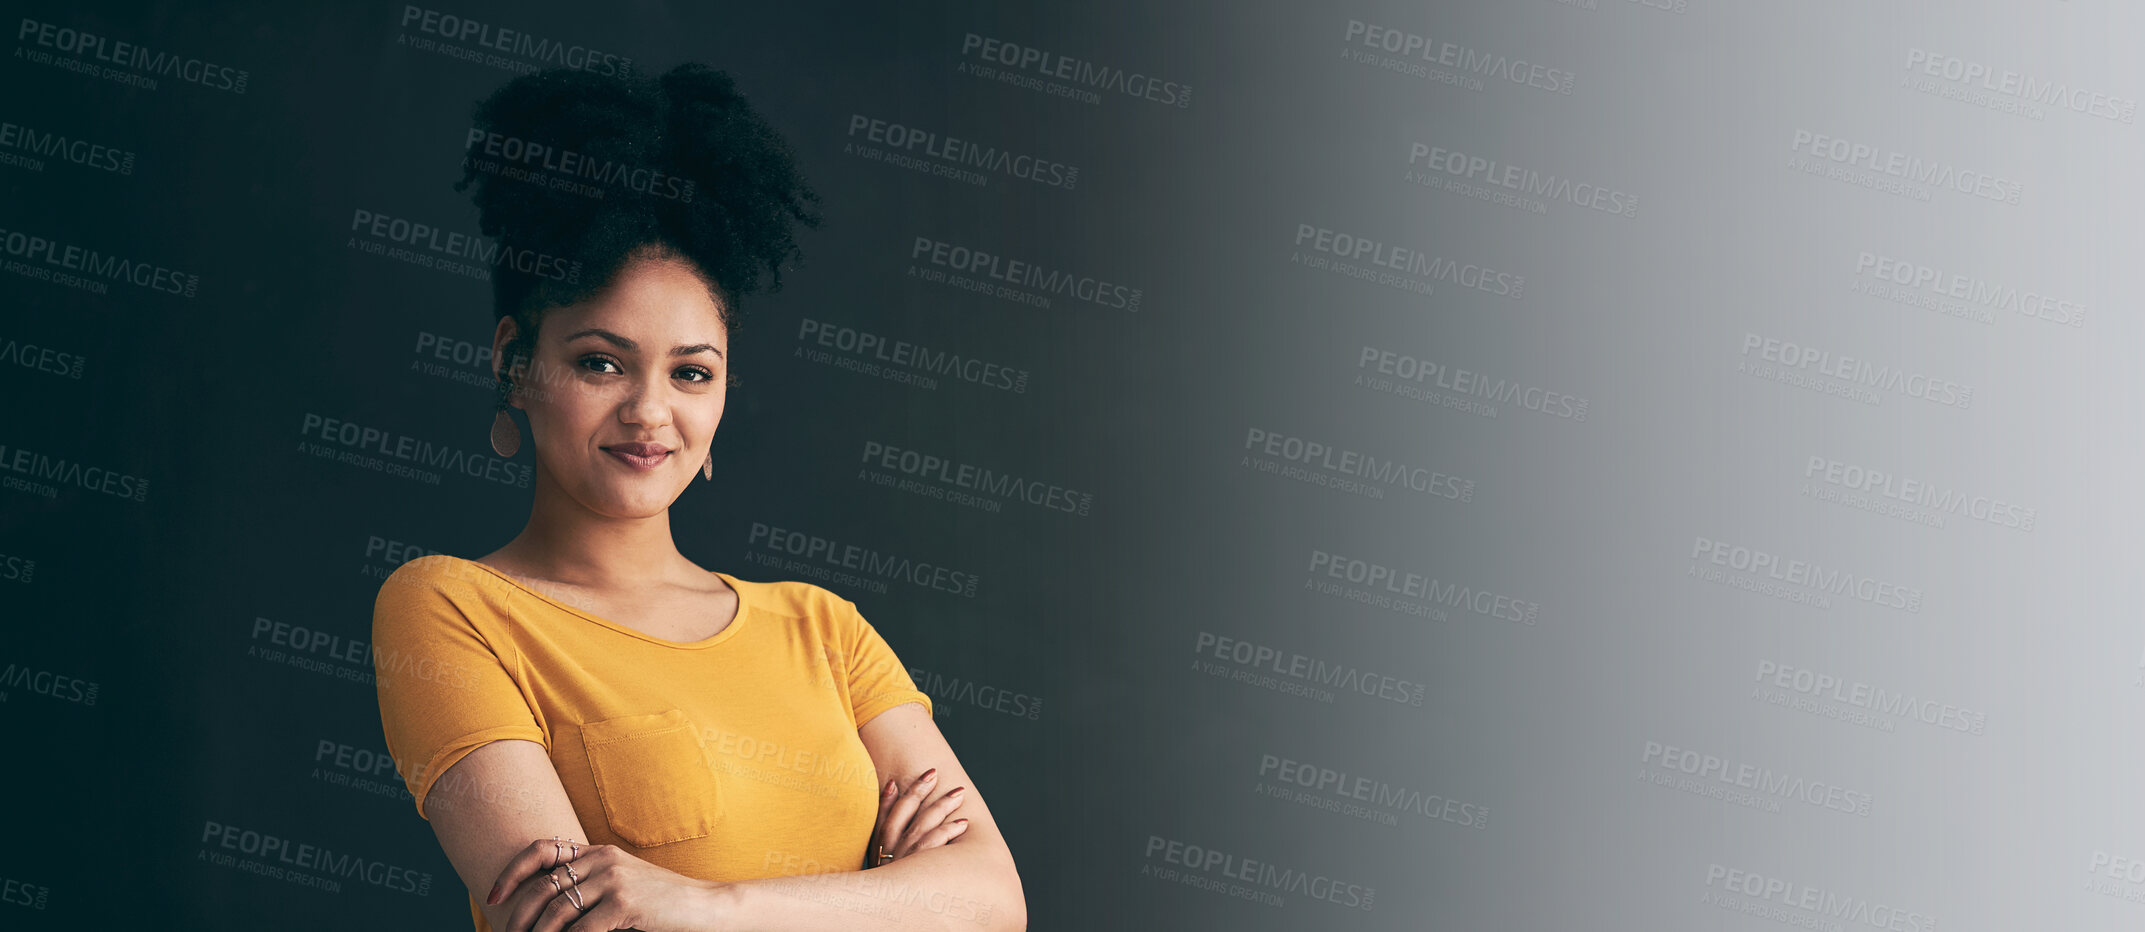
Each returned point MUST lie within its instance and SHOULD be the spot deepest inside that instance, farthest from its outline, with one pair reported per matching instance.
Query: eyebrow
(629, 345)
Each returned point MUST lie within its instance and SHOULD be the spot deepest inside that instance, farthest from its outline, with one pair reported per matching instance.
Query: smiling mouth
(638, 460)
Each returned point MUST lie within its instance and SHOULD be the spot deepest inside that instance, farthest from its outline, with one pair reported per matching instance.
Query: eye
(586, 362)
(700, 374)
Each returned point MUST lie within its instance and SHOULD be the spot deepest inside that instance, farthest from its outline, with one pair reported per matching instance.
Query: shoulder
(438, 584)
(435, 572)
(796, 599)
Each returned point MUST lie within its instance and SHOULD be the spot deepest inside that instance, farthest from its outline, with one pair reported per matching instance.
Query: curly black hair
(574, 172)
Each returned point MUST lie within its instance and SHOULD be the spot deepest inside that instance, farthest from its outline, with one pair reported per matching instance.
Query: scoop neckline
(743, 605)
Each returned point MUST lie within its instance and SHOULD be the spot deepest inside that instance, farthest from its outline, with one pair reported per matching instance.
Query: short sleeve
(877, 680)
(444, 689)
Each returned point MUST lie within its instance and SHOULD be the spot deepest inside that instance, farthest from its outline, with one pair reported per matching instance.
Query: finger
(876, 841)
(921, 838)
(524, 897)
(889, 828)
(580, 884)
(887, 792)
(938, 836)
(532, 860)
(560, 910)
(601, 917)
(939, 808)
(528, 902)
(929, 818)
(578, 918)
(906, 804)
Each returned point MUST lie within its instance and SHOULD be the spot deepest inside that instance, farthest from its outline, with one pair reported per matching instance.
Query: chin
(616, 502)
(635, 510)
(642, 502)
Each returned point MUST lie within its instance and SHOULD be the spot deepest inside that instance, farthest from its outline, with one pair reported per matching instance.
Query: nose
(645, 406)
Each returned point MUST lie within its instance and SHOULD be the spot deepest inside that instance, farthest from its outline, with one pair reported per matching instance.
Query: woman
(602, 734)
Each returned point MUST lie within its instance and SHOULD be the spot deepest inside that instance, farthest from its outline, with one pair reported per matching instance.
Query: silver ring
(573, 890)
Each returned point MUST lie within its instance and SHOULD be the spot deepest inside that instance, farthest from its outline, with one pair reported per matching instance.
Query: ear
(502, 337)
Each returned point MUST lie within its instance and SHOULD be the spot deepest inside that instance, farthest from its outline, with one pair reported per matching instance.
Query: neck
(565, 541)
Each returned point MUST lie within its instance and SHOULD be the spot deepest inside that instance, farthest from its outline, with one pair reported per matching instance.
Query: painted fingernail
(960, 821)
(888, 789)
(929, 775)
(956, 791)
(493, 899)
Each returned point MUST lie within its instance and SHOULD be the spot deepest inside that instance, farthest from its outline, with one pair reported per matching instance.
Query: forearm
(966, 888)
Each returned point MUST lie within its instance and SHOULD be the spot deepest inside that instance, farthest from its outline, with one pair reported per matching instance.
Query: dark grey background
(1552, 727)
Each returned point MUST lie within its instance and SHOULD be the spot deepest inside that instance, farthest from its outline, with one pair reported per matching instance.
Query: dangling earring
(707, 468)
(506, 437)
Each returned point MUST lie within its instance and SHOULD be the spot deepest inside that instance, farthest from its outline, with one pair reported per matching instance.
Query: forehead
(662, 300)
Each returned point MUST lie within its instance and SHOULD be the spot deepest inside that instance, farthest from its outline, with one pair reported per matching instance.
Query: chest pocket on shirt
(653, 778)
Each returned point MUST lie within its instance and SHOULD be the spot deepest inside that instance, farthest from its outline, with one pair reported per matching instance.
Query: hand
(616, 891)
(906, 825)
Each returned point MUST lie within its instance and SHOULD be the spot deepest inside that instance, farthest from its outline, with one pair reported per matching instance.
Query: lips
(641, 456)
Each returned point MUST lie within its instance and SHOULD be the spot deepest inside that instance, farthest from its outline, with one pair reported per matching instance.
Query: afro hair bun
(573, 172)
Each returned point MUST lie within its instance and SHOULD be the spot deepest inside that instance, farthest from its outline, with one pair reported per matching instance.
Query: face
(627, 389)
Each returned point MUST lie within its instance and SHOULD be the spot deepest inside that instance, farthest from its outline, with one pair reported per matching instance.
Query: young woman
(602, 734)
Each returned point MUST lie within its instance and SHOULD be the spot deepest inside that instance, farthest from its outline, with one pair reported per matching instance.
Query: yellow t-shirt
(729, 758)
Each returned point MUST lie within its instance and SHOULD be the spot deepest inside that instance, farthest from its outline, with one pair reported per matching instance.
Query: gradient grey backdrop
(1923, 718)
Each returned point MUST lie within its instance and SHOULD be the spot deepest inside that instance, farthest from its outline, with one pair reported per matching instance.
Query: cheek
(572, 409)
